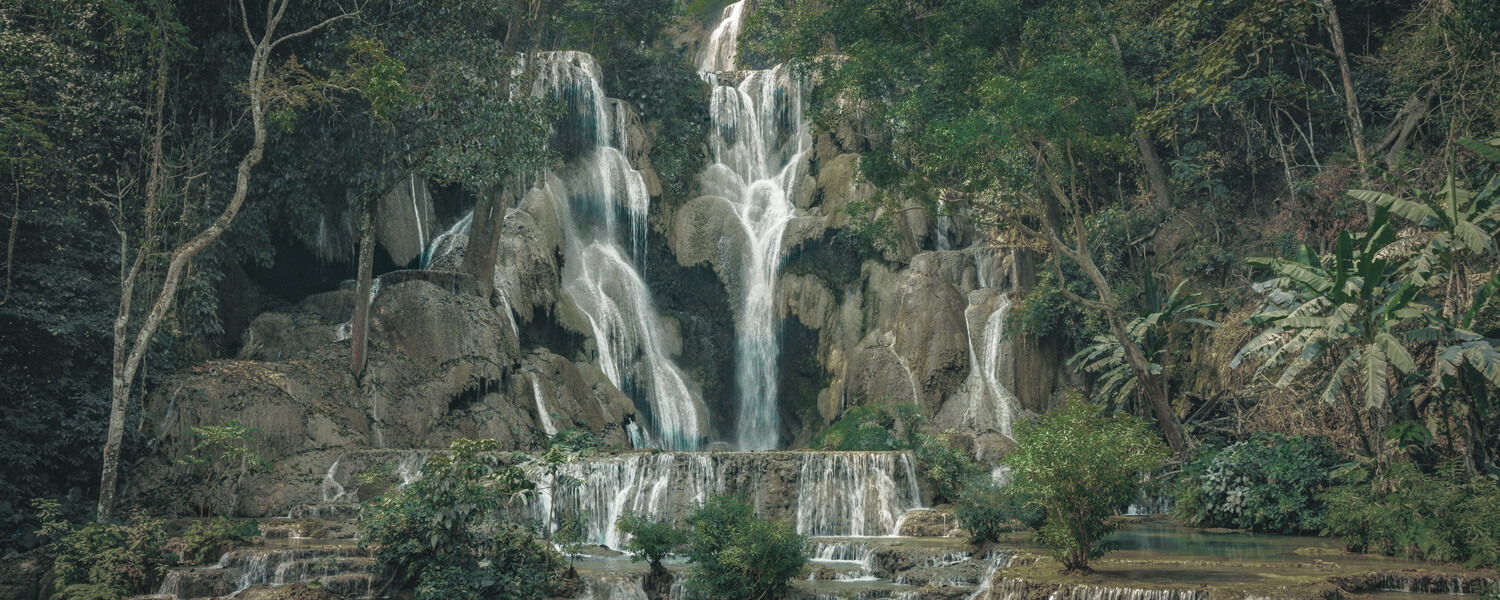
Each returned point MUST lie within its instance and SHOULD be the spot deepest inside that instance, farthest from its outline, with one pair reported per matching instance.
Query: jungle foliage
(1270, 482)
(736, 554)
(449, 534)
(1079, 468)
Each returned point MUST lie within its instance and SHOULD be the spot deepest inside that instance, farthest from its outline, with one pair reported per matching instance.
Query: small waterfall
(446, 241)
(854, 494)
(845, 553)
(332, 490)
(541, 406)
(757, 140)
(722, 50)
(592, 189)
(823, 493)
(989, 405)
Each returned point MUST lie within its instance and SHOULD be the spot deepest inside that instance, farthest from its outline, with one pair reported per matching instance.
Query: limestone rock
(404, 220)
(932, 336)
(707, 230)
(433, 327)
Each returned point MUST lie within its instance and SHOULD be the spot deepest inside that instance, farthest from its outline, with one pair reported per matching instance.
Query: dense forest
(1241, 238)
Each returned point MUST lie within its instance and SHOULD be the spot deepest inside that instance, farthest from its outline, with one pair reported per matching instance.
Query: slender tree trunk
(1150, 160)
(359, 323)
(1351, 102)
(10, 246)
(124, 371)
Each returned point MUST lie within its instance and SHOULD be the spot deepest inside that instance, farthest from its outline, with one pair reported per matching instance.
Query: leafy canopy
(1079, 468)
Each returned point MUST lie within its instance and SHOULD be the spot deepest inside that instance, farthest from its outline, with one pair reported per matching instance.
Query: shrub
(1268, 483)
(205, 541)
(1445, 516)
(448, 534)
(865, 428)
(650, 541)
(104, 560)
(1079, 467)
(988, 509)
(736, 555)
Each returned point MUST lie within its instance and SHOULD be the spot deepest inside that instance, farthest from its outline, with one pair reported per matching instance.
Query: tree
(650, 541)
(271, 91)
(1150, 332)
(1078, 468)
(450, 535)
(737, 555)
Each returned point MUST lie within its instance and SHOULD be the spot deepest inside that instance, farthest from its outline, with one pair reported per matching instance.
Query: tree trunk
(1150, 160)
(359, 323)
(1351, 102)
(484, 242)
(127, 363)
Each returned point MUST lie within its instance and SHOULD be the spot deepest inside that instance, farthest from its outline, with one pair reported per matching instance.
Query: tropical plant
(1106, 355)
(104, 560)
(223, 451)
(1348, 308)
(987, 509)
(1446, 516)
(650, 541)
(1078, 468)
(205, 541)
(1269, 482)
(737, 555)
(450, 535)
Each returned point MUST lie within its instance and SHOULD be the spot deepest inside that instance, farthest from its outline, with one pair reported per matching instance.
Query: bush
(988, 509)
(1079, 467)
(736, 555)
(865, 428)
(1268, 483)
(1446, 516)
(104, 560)
(205, 541)
(650, 541)
(448, 534)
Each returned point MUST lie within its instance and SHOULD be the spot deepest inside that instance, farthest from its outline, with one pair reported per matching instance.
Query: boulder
(931, 336)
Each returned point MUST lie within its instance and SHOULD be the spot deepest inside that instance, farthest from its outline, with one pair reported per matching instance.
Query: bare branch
(325, 23)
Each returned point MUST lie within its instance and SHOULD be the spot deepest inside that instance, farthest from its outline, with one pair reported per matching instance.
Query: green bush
(104, 560)
(1268, 483)
(650, 541)
(205, 541)
(736, 555)
(1079, 467)
(1446, 516)
(988, 509)
(448, 535)
(865, 428)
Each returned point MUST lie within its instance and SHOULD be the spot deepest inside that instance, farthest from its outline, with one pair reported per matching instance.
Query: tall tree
(268, 89)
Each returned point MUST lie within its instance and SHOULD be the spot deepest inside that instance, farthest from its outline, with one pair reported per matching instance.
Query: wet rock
(707, 230)
(931, 336)
(926, 522)
(433, 326)
(404, 220)
(198, 583)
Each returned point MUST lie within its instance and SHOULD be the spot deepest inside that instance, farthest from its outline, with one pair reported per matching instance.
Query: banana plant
(1453, 220)
(1106, 355)
(1346, 309)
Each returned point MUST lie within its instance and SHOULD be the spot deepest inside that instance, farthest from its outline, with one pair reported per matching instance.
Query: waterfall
(988, 405)
(722, 50)
(541, 406)
(446, 241)
(854, 494)
(332, 490)
(757, 140)
(822, 493)
(591, 191)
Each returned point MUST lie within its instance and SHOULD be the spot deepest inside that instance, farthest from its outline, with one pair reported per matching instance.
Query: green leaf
(1377, 387)
(1415, 212)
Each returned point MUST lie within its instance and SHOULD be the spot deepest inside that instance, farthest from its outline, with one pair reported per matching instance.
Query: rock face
(904, 322)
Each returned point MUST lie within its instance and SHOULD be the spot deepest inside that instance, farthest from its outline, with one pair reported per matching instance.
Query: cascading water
(758, 139)
(823, 493)
(990, 406)
(595, 186)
